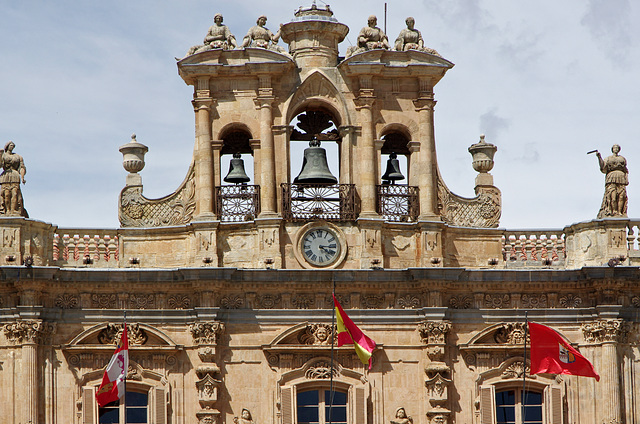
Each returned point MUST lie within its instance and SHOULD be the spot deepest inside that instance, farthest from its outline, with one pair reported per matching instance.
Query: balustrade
(534, 247)
(398, 202)
(302, 202)
(79, 247)
(633, 241)
(237, 203)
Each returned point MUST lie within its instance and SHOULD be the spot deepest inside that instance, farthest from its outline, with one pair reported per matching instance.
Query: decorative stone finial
(482, 153)
(133, 160)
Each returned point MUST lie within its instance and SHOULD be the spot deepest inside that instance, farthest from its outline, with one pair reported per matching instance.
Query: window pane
(137, 399)
(308, 411)
(136, 415)
(108, 415)
(532, 398)
(338, 414)
(505, 407)
(339, 398)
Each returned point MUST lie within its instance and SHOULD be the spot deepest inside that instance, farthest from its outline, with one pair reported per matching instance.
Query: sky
(545, 81)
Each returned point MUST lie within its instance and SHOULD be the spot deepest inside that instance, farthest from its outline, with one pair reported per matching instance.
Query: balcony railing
(534, 247)
(398, 203)
(302, 202)
(237, 203)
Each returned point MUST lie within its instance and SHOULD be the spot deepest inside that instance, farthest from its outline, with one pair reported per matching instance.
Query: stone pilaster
(206, 336)
(203, 154)
(608, 334)
(428, 180)
(29, 334)
(434, 337)
(268, 167)
(367, 164)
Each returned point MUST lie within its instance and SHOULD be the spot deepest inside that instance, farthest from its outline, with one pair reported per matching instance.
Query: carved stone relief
(434, 332)
(316, 334)
(371, 301)
(67, 301)
(112, 333)
(179, 301)
(570, 301)
(303, 301)
(510, 333)
(269, 301)
(142, 301)
(206, 332)
(497, 301)
(601, 331)
(533, 301)
(321, 370)
(232, 301)
(29, 331)
(461, 301)
(408, 302)
(103, 301)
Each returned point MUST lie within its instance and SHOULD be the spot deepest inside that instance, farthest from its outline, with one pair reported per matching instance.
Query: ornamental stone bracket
(29, 331)
(434, 336)
(206, 335)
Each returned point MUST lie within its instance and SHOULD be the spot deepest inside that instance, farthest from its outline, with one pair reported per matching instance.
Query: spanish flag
(551, 354)
(349, 333)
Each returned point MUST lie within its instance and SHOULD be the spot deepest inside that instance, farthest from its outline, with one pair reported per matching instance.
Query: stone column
(608, 333)
(203, 154)
(348, 133)
(428, 181)
(29, 334)
(267, 165)
(367, 159)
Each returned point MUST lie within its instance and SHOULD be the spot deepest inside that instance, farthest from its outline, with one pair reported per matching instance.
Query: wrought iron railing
(398, 202)
(302, 202)
(237, 203)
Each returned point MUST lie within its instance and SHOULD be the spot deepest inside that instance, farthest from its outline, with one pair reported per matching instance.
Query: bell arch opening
(312, 125)
(395, 142)
(236, 145)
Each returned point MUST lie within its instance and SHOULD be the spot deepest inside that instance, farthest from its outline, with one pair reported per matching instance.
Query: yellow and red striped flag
(349, 333)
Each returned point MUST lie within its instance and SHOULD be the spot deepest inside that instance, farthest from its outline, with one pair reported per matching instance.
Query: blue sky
(545, 81)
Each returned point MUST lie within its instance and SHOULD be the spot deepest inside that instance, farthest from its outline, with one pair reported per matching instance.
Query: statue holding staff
(614, 202)
(13, 171)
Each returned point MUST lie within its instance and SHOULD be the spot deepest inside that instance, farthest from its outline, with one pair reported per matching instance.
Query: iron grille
(398, 202)
(237, 203)
(304, 202)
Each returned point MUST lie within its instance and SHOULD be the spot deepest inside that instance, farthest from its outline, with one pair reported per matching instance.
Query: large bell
(236, 173)
(393, 173)
(315, 169)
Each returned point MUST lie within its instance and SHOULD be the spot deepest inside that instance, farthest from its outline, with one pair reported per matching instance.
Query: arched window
(309, 125)
(398, 143)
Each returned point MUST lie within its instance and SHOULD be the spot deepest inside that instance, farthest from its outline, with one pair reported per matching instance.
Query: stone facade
(230, 316)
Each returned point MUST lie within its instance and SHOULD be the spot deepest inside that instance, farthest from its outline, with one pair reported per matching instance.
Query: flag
(349, 333)
(113, 380)
(551, 354)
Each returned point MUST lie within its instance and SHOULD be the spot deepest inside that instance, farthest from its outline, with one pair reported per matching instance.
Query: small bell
(392, 173)
(315, 169)
(236, 173)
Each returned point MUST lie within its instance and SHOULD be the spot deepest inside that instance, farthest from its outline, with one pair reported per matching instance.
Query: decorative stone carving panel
(612, 330)
(179, 301)
(112, 333)
(232, 301)
(135, 210)
(206, 332)
(67, 301)
(29, 331)
(434, 332)
(483, 211)
(570, 301)
(461, 301)
(511, 333)
(316, 334)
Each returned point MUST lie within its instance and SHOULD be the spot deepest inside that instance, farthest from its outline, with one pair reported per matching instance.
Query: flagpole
(333, 334)
(524, 367)
(124, 397)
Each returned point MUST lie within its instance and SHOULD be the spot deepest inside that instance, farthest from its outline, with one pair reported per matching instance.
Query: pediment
(303, 335)
(104, 336)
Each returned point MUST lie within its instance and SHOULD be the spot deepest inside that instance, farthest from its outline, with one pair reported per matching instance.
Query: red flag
(349, 333)
(113, 380)
(551, 354)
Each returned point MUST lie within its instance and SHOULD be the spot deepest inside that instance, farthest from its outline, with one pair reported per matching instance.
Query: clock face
(320, 246)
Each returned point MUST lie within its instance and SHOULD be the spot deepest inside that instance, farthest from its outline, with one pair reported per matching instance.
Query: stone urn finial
(482, 153)
(133, 160)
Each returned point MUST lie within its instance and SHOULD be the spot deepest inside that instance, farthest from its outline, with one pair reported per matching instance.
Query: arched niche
(237, 139)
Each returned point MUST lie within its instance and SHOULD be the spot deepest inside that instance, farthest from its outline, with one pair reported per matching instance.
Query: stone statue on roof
(259, 36)
(370, 37)
(411, 39)
(614, 201)
(13, 171)
(218, 37)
